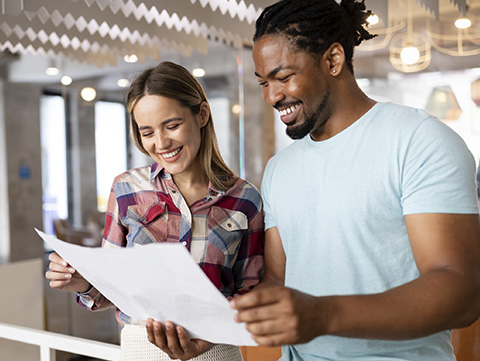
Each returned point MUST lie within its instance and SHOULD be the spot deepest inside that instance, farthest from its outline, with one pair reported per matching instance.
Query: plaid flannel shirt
(224, 231)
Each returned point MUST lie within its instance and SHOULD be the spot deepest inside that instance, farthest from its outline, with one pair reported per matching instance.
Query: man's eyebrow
(273, 72)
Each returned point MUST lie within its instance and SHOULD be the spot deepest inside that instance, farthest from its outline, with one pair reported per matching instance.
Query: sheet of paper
(161, 281)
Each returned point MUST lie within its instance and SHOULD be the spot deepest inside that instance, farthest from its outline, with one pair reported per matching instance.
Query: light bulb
(130, 58)
(52, 70)
(66, 80)
(236, 109)
(123, 83)
(410, 55)
(463, 23)
(88, 94)
(373, 19)
(198, 72)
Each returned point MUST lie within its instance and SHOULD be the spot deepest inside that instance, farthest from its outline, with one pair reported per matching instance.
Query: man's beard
(298, 131)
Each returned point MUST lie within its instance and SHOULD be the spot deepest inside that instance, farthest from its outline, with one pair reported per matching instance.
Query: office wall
(22, 205)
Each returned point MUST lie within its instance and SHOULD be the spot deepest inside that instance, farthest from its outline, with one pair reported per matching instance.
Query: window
(54, 160)
(110, 147)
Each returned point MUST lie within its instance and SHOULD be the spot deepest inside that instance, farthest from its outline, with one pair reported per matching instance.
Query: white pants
(135, 346)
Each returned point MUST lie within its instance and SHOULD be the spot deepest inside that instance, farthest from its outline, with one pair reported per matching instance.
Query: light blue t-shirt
(339, 206)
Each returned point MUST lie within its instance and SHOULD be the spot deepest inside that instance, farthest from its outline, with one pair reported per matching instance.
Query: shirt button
(229, 225)
(173, 191)
(184, 243)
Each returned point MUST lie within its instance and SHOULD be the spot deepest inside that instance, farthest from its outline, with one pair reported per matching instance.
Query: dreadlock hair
(314, 25)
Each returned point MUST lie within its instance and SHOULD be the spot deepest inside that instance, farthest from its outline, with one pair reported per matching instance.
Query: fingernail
(168, 327)
(72, 270)
(179, 330)
(156, 327)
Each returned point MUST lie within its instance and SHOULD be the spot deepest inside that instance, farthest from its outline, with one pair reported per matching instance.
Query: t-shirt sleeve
(438, 172)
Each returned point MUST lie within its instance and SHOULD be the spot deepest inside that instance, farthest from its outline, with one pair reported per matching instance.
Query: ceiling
(88, 38)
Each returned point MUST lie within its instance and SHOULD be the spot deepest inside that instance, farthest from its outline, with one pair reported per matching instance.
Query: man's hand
(174, 341)
(279, 316)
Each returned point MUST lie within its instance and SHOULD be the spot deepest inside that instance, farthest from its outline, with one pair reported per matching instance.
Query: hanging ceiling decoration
(411, 51)
(101, 31)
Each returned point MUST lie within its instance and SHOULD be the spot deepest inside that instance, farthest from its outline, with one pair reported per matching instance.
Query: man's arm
(274, 260)
(446, 248)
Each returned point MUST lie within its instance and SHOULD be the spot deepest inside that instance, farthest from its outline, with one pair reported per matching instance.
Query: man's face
(293, 83)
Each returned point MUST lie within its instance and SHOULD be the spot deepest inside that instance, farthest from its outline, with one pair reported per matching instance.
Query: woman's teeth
(172, 154)
(288, 110)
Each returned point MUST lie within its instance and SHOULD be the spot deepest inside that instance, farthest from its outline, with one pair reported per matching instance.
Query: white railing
(50, 341)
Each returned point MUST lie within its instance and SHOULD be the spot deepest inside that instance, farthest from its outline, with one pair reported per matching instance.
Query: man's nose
(273, 94)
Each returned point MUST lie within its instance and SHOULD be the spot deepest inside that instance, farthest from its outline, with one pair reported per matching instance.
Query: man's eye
(263, 83)
(283, 78)
(173, 127)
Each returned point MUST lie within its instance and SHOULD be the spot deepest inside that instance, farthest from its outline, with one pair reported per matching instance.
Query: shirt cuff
(86, 293)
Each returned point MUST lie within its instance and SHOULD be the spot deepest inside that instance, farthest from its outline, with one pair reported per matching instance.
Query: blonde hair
(174, 81)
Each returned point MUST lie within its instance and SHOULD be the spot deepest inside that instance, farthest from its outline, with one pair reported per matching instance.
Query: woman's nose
(161, 141)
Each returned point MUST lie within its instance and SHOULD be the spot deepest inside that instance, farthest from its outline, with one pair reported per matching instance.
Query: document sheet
(160, 281)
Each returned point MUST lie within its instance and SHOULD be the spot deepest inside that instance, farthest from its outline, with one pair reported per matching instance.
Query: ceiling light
(236, 109)
(410, 55)
(52, 70)
(198, 72)
(123, 83)
(463, 23)
(88, 94)
(373, 19)
(66, 80)
(130, 58)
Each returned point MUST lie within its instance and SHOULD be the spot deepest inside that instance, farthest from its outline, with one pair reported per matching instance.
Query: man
(372, 227)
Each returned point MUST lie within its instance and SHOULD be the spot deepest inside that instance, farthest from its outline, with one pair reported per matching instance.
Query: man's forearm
(439, 300)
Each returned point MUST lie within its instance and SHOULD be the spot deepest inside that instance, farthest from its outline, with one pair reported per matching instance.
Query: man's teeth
(288, 110)
(172, 154)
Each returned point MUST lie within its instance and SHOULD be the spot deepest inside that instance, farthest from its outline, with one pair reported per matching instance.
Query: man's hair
(314, 25)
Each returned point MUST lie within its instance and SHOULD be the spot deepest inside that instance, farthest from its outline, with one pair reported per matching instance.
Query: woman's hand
(174, 341)
(64, 277)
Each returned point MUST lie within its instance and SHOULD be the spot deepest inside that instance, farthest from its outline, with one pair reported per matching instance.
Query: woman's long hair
(175, 82)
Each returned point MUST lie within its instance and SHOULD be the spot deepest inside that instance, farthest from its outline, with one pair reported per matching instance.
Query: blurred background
(65, 66)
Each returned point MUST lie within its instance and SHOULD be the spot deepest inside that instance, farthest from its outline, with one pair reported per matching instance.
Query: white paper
(160, 281)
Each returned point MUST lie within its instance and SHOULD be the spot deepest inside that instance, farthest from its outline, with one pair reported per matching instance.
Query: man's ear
(204, 114)
(335, 58)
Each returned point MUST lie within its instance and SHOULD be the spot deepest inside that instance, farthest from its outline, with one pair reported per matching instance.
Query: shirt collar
(156, 170)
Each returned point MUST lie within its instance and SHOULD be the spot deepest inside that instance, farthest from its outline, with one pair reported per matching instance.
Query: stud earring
(334, 71)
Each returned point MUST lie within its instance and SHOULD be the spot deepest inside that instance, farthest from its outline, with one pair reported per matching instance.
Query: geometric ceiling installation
(100, 32)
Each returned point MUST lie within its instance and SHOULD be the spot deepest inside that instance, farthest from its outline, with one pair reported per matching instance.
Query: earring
(334, 71)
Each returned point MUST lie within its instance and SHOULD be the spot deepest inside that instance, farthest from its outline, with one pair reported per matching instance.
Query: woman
(190, 196)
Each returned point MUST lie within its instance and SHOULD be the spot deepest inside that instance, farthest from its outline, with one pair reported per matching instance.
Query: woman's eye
(146, 134)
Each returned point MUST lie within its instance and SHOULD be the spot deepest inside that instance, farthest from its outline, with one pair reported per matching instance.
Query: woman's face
(170, 133)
